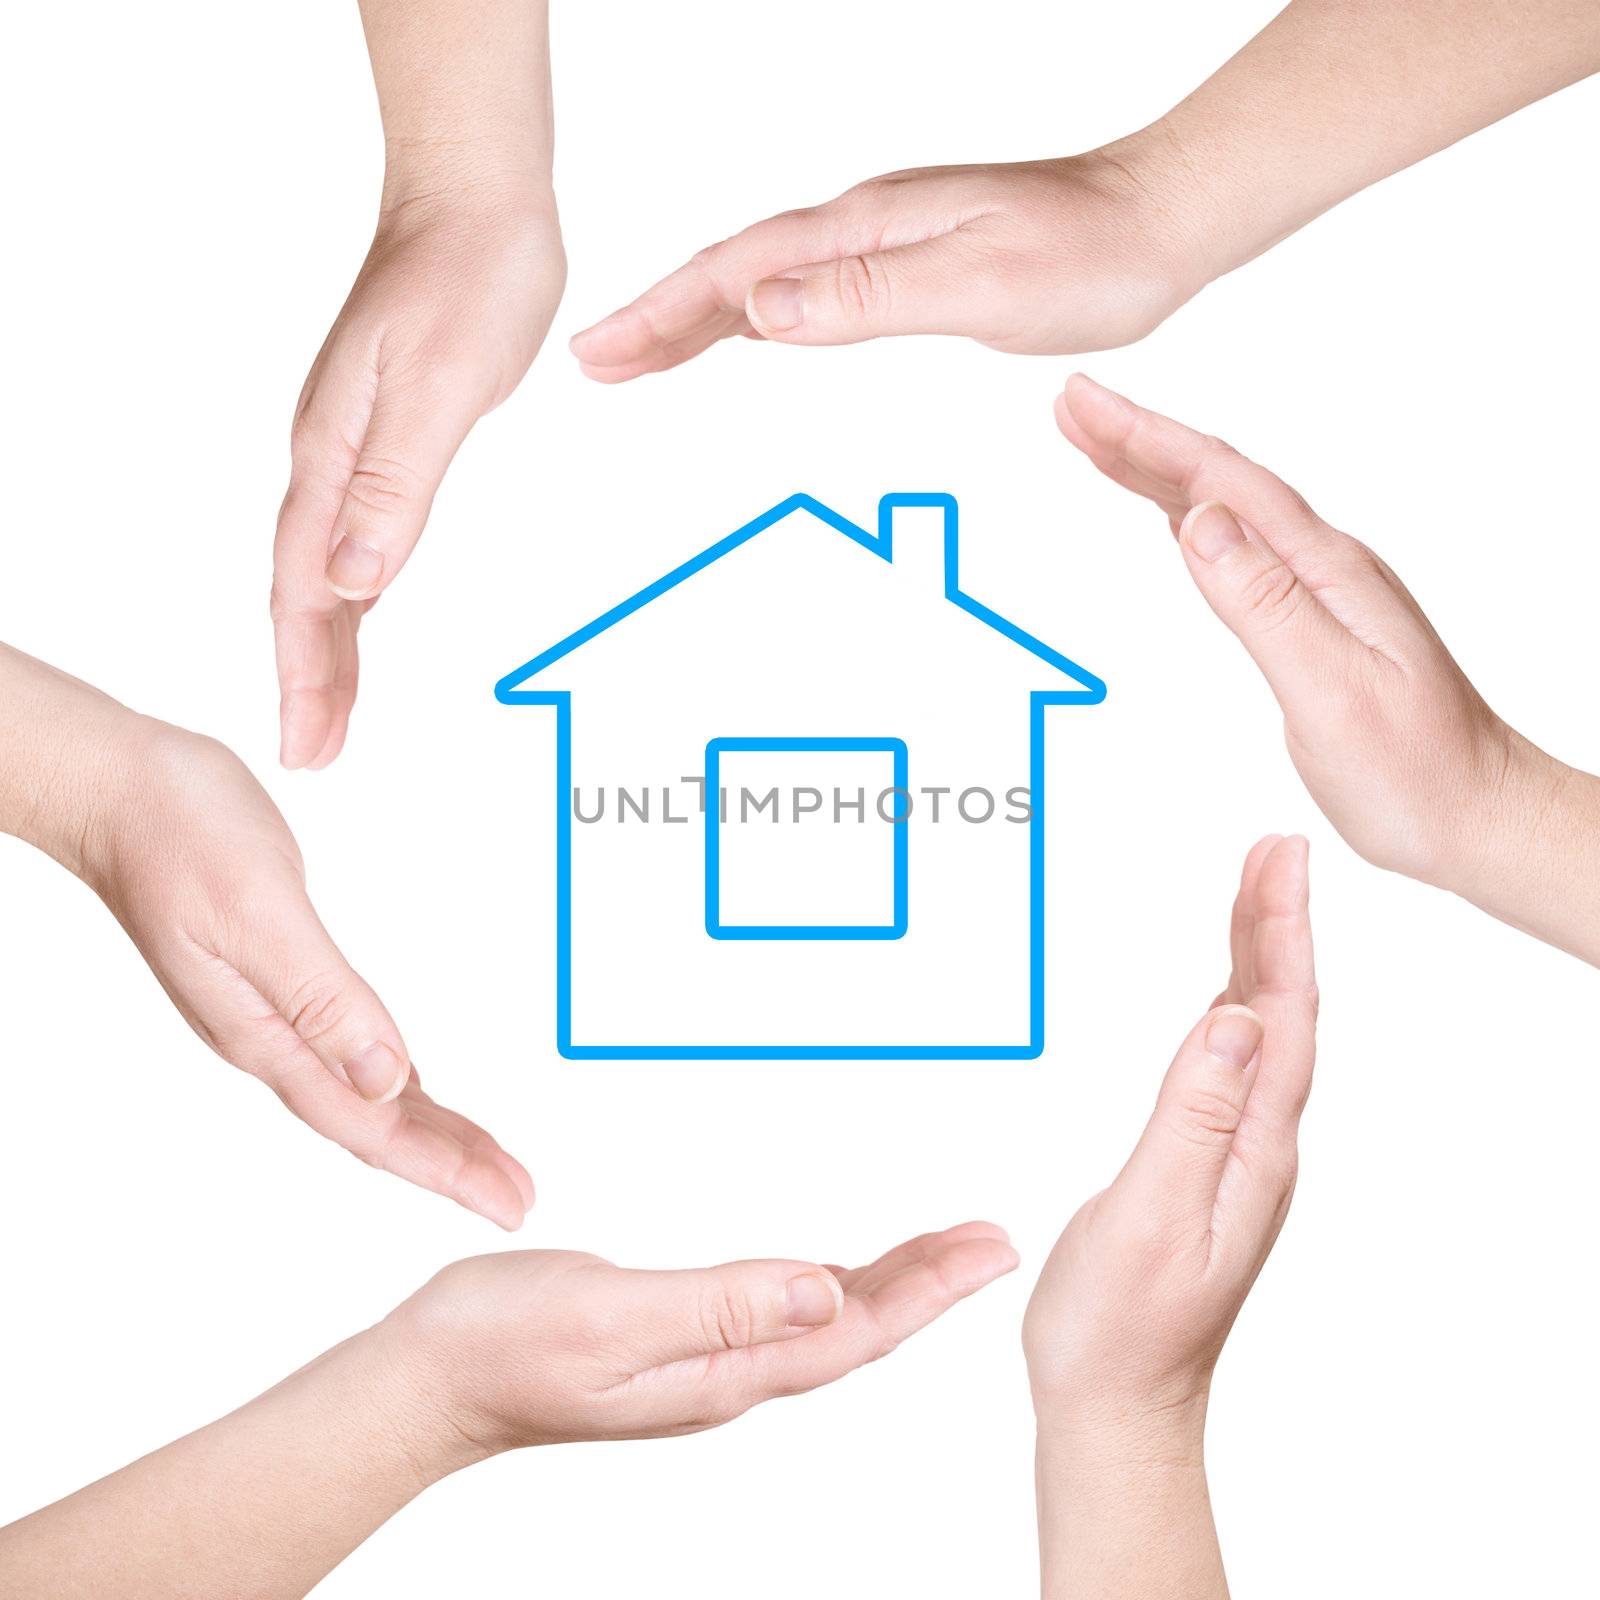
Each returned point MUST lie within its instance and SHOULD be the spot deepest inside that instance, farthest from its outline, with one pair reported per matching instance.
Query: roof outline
(1089, 690)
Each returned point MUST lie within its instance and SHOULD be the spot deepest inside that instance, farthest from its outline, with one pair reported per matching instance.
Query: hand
(448, 312)
(194, 860)
(520, 1349)
(1134, 1304)
(548, 1346)
(1396, 746)
(1036, 257)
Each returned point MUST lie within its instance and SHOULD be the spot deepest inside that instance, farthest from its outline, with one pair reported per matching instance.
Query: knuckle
(708, 258)
(1299, 502)
(317, 1007)
(1212, 457)
(861, 285)
(1206, 1117)
(727, 1319)
(383, 486)
(1273, 596)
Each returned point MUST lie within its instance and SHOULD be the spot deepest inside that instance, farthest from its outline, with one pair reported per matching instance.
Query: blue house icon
(790, 948)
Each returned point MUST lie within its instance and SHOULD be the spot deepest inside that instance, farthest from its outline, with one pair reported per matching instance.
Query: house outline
(1087, 690)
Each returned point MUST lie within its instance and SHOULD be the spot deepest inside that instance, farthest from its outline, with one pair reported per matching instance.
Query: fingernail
(377, 1073)
(1234, 1037)
(1212, 531)
(813, 1300)
(775, 304)
(354, 569)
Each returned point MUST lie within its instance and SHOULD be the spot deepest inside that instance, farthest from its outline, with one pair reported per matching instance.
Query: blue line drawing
(718, 929)
(1086, 690)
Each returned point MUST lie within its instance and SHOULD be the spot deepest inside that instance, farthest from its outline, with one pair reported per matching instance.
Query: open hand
(195, 861)
(549, 1346)
(1083, 253)
(448, 312)
(1134, 1304)
(1396, 746)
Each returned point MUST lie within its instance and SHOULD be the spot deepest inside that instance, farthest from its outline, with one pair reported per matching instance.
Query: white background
(1406, 1403)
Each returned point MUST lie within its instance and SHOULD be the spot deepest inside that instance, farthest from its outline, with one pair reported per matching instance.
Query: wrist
(1104, 1429)
(416, 1403)
(1528, 851)
(493, 173)
(62, 760)
(1181, 204)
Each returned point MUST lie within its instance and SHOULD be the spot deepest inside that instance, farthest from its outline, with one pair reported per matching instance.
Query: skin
(1399, 750)
(193, 859)
(1137, 1299)
(495, 1354)
(1092, 251)
(447, 313)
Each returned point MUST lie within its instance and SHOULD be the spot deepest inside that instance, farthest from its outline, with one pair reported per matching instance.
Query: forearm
(464, 92)
(1124, 1512)
(1533, 858)
(1334, 95)
(258, 1506)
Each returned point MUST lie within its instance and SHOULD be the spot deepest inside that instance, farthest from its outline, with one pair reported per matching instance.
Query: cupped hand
(1083, 253)
(1396, 746)
(446, 316)
(546, 1346)
(1134, 1304)
(195, 861)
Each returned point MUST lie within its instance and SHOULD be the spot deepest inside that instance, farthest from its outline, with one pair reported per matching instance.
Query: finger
(414, 431)
(469, 1135)
(1267, 578)
(925, 287)
(703, 301)
(1241, 925)
(1178, 467)
(1177, 1166)
(1284, 989)
(874, 1322)
(308, 621)
(1254, 1195)
(863, 1279)
(404, 1136)
(680, 1316)
(341, 693)
(289, 957)
(1302, 651)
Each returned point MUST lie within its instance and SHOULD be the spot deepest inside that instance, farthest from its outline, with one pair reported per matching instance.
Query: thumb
(681, 1315)
(411, 438)
(1293, 638)
(916, 288)
(1178, 1163)
(295, 966)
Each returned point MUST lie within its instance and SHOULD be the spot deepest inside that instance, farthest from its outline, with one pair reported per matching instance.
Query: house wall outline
(1086, 690)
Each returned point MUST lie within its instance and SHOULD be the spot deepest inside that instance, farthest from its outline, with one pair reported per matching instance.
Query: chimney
(920, 530)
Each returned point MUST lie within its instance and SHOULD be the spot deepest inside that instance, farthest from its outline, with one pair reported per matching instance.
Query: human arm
(190, 855)
(447, 313)
(1397, 747)
(1091, 251)
(494, 1354)
(1132, 1309)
